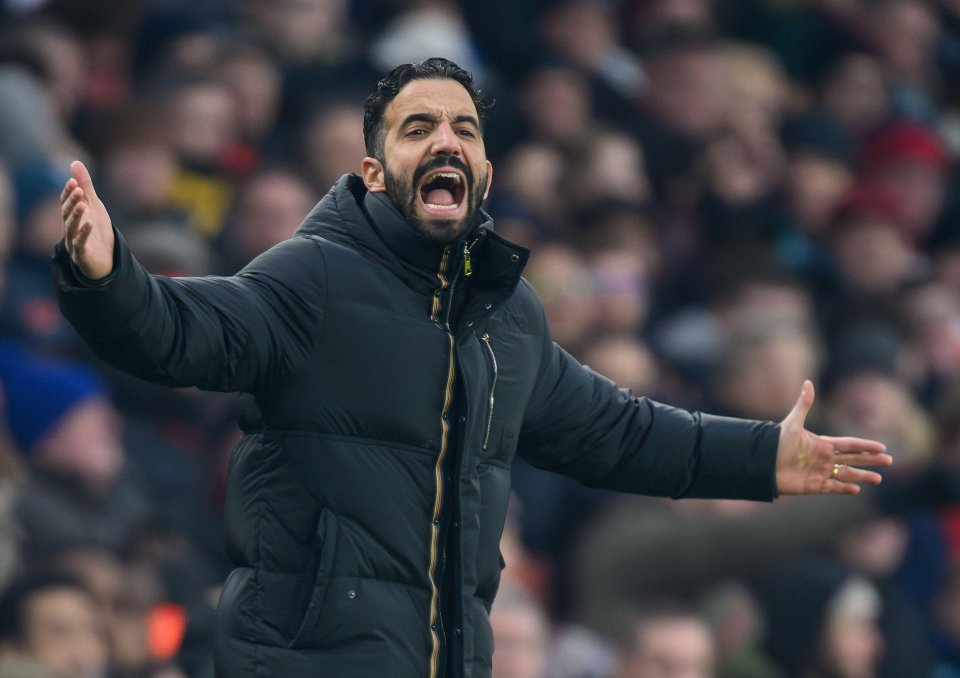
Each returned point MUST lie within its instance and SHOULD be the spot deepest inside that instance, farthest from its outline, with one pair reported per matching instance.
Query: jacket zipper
(435, 621)
(493, 387)
(435, 303)
(467, 272)
(467, 263)
(453, 288)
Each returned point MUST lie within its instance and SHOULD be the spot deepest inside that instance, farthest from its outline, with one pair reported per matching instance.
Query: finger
(74, 224)
(80, 240)
(848, 444)
(70, 202)
(80, 173)
(864, 459)
(798, 415)
(68, 188)
(859, 476)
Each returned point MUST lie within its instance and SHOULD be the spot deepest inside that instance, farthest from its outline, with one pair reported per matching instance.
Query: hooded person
(821, 620)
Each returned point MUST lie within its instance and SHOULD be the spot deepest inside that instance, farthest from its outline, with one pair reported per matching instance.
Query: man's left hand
(808, 463)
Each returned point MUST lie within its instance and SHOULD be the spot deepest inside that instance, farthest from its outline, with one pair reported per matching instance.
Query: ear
(486, 191)
(372, 172)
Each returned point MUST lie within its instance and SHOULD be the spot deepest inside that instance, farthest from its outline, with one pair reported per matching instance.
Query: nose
(445, 140)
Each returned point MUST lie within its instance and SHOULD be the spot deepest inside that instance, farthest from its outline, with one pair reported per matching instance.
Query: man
(521, 633)
(51, 618)
(399, 362)
(666, 641)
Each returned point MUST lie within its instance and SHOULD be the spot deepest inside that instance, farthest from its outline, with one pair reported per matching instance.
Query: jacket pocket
(326, 542)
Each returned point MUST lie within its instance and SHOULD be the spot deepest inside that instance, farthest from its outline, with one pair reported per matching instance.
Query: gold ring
(836, 471)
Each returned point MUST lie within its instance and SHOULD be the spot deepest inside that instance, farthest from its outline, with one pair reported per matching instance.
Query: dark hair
(14, 599)
(436, 68)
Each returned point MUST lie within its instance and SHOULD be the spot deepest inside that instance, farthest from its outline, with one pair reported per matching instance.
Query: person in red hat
(908, 159)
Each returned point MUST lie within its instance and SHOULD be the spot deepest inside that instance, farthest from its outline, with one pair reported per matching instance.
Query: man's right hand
(87, 229)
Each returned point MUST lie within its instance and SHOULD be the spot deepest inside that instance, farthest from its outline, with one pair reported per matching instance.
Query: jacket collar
(402, 239)
(371, 223)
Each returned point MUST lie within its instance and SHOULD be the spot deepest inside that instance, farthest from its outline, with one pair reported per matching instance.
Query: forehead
(442, 98)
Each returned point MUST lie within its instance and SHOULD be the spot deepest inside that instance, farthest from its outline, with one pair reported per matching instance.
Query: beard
(444, 231)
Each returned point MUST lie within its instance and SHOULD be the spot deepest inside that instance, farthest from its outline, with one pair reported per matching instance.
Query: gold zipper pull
(467, 267)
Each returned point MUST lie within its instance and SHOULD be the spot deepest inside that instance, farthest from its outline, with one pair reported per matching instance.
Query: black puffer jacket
(365, 508)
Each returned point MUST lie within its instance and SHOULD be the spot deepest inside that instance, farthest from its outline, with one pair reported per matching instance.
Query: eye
(416, 132)
(466, 133)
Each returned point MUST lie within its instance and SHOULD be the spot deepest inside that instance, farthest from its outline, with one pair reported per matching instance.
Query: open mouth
(443, 191)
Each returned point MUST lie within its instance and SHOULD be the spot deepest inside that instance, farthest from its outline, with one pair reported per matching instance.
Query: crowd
(722, 198)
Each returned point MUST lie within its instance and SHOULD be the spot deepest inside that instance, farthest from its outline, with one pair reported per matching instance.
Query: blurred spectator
(904, 34)
(854, 93)
(909, 160)
(30, 126)
(603, 167)
(555, 103)
(626, 360)
(144, 630)
(52, 619)
(139, 164)
(319, 50)
(755, 91)
(560, 276)
(620, 290)
(869, 394)
(203, 119)
(587, 34)
(682, 106)
(331, 142)
(520, 634)
(877, 549)
(821, 621)
(300, 30)
(763, 367)
(818, 174)
(873, 252)
(62, 419)
(256, 81)
(27, 308)
(60, 55)
(269, 207)
(666, 639)
(932, 313)
(734, 614)
(428, 28)
(532, 175)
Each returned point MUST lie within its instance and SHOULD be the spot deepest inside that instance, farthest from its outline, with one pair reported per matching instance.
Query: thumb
(79, 172)
(798, 415)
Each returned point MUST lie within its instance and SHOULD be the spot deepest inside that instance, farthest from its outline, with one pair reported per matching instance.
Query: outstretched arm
(808, 463)
(219, 333)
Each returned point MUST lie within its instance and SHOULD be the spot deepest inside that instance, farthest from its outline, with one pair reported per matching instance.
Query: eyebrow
(429, 117)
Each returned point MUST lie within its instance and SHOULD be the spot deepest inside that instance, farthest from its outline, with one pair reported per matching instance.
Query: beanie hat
(40, 391)
(903, 140)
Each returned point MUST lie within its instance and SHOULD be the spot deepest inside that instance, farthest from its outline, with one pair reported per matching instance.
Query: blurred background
(723, 198)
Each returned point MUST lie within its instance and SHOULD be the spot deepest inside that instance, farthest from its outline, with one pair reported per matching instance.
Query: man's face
(435, 166)
(671, 648)
(61, 629)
